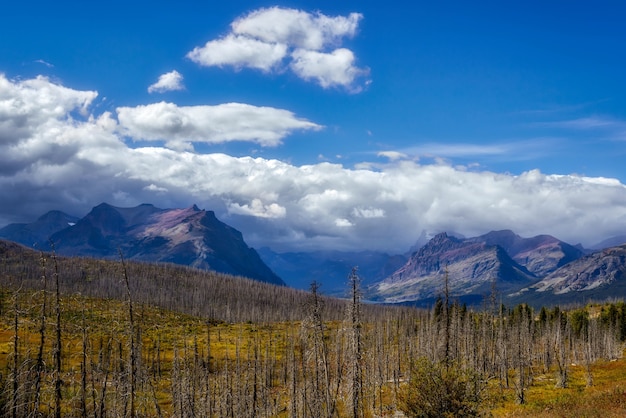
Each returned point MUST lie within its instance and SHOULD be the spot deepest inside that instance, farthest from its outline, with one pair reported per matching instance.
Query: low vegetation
(178, 342)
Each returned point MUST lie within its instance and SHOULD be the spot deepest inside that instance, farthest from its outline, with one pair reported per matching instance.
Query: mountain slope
(189, 236)
(610, 242)
(595, 271)
(541, 255)
(473, 268)
(36, 234)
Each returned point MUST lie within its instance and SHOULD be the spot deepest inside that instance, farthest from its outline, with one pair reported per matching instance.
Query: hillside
(187, 290)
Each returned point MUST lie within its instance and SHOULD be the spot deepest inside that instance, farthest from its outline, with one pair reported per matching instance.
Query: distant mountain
(330, 268)
(37, 234)
(610, 242)
(191, 237)
(473, 267)
(541, 255)
(541, 270)
(598, 275)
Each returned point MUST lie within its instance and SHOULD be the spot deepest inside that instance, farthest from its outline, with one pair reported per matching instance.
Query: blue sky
(352, 125)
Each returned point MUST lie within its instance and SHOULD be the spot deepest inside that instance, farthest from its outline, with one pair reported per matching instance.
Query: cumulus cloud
(171, 81)
(59, 156)
(297, 28)
(239, 51)
(258, 209)
(181, 125)
(328, 69)
(264, 38)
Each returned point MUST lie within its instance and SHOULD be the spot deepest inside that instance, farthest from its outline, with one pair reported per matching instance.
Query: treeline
(313, 357)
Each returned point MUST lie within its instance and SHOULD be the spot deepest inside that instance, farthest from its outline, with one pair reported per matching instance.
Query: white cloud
(171, 81)
(155, 188)
(258, 209)
(54, 158)
(47, 64)
(181, 125)
(296, 28)
(594, 122)
(266, 37)
(239, 51)
(368, 213)
(393, 155)
(328, 69)
(343, 223)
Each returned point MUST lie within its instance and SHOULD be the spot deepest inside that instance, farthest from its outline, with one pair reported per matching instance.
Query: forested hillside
(81, 337)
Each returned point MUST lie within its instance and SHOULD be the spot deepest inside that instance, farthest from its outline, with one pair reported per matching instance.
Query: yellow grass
(107, 320)
(606, 398)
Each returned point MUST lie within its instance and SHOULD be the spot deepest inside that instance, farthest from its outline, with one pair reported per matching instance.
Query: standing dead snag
(39, 367)
(356, 349)
(446, 301)
(16, 356)
(315, 356)
(57, 348)
(131, 319)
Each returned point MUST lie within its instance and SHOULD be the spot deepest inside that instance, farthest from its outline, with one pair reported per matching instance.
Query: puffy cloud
(264, 38)
(329, 70)
(181, 125)
(171, 81)
(296, 28)
(26, 105)
(239, 51)
(259, 209)
(66, 160)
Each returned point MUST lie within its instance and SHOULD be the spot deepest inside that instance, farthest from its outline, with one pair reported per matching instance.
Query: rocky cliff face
(473, 269)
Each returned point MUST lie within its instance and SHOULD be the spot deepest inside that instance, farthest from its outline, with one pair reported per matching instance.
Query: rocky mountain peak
(472, 267)
(190, 236)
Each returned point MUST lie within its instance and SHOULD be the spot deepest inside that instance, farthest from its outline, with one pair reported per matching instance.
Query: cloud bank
(56, 154)
(265, 38)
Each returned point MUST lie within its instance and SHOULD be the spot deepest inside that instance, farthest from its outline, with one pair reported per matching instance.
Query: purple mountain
(541, 255)
(191, 237)
(473, 269)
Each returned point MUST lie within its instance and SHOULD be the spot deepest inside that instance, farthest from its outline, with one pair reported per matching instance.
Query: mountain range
(535, 270)
(188, 236)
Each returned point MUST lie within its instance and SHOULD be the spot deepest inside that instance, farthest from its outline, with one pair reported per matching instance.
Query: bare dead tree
(560, 348)
(133, 354)
(39, 367)
(58, 343)
(356, 348)
(16, 357)
(446, 312)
